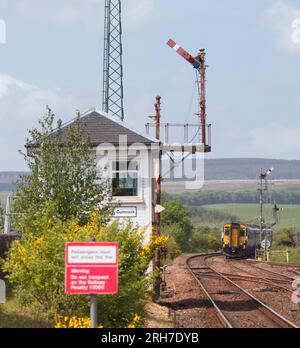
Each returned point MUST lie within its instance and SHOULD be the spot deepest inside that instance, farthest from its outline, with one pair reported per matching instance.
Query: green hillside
(249, 213)
(249, 168)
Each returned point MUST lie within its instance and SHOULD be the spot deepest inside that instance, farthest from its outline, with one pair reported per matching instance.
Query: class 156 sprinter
(241, 240)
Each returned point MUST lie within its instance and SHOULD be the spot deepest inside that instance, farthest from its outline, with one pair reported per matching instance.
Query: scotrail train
(241, 241)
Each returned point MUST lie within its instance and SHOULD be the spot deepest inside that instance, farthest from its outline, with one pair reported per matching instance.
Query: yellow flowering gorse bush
(85, 322)
(73, 323)
(35, 267)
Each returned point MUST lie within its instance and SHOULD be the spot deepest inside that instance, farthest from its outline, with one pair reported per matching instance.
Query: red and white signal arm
(91, 268)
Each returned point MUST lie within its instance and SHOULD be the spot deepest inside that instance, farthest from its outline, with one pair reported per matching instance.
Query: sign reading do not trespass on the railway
(91, 268)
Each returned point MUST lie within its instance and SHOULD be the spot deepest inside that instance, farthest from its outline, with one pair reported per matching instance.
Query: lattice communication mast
(113, 94)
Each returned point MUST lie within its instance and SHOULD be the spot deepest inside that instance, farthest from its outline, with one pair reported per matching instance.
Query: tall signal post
(113, 95)
(263, 186)
(167, 146)
(199, 63)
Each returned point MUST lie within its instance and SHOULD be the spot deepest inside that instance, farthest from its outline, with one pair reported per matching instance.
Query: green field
(294, 255)
(249, 213)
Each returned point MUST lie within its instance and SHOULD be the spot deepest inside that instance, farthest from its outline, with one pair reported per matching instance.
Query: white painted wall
(143, 202)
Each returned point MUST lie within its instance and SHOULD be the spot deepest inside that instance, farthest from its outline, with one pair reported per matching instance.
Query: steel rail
(257, 279)
(270, 272)
(277, 264)
(252, 279)
(265, 309)
(268, 311)
(220, 315)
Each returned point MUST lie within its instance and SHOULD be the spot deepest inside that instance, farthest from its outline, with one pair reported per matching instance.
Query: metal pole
(263, 231)
(261, 204)
(202, 95)
(157, 260)
(261, 227)
(94, 312)
(157, 116)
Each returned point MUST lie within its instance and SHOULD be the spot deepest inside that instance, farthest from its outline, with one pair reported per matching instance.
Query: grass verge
(13, 315)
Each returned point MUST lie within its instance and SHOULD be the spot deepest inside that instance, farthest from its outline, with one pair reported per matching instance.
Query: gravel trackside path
(190, 304)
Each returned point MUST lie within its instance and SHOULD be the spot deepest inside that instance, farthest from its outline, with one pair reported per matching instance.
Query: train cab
(234, 240)
(241, 241)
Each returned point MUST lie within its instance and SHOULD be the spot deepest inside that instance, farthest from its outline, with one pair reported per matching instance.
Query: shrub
(172, 248)
(206, 239)
(36, 269)
(284, 238)
(176, 222)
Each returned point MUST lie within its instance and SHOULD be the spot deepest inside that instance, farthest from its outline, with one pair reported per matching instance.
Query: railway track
(235, 307)
(274, 282)
(271, 272)
(279, 264)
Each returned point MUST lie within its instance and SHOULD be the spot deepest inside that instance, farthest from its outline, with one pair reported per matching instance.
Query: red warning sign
(91, 268)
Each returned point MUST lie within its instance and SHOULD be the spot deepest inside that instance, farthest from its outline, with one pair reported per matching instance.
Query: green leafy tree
(176, 222)
(63, 175)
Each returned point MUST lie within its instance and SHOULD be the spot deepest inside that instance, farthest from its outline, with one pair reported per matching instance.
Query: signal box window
(125, 178)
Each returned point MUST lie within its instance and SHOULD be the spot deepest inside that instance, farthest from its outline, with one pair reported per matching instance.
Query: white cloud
(7, 82)
(2, 32)
(21, 105)
(269, 140)
(139, 13)
(276, 140)
(88, 13)
(63, 12)
(281, 18)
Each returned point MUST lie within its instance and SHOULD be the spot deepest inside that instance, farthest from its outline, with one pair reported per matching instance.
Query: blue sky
(53, 55)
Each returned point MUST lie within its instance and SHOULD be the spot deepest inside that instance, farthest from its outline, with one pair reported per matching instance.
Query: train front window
(242, 233)
(227, 232)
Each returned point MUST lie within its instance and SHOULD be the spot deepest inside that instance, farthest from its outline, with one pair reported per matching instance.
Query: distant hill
(10, 177)
(8, 180)
(249, 169)
(215, 169)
